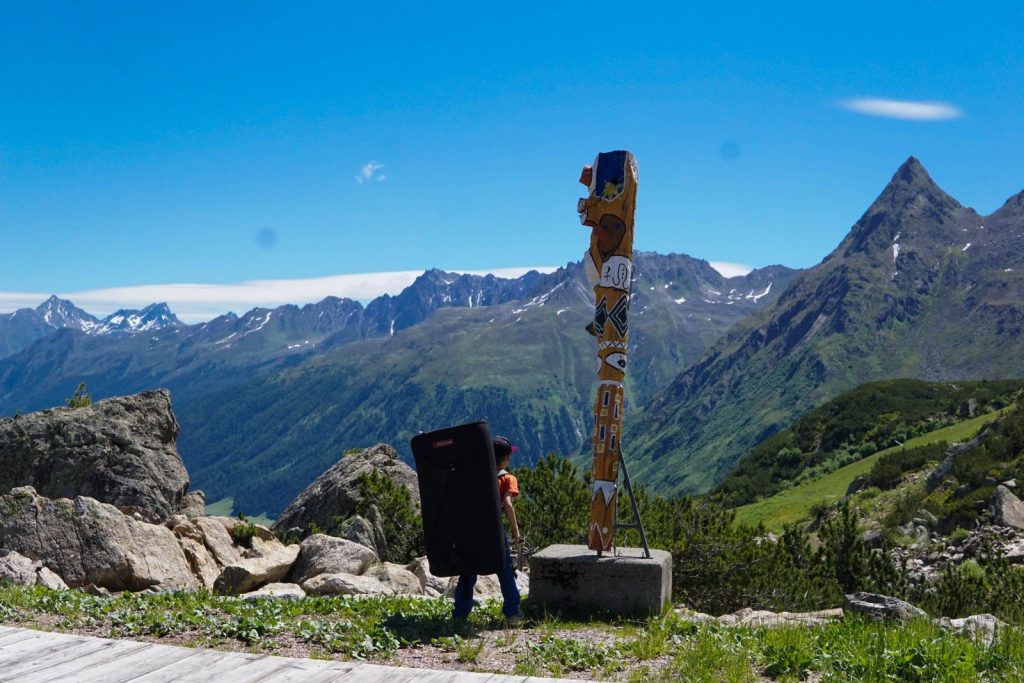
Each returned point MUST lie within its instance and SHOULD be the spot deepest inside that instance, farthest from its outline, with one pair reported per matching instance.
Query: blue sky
(154, 144)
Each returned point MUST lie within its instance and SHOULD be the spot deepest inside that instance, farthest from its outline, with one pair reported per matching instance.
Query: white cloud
(198, 302)
(907, 110)
(727, 269)
(369, 172)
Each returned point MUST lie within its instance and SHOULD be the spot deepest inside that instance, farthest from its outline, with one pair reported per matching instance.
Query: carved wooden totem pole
(609, 210)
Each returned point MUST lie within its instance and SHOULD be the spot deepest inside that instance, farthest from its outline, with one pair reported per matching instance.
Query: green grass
(225, 507)
(794, 504)
(665, 648)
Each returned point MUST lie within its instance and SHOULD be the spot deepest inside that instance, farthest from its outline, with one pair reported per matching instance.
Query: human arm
(510, 515)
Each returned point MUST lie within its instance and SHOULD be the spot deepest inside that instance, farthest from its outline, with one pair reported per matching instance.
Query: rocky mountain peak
(911, 207)
(912, 189)
(129, 321)
(59, 313)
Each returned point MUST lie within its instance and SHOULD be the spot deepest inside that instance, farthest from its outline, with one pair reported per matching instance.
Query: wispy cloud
(198, 302)
(370, 171)
(728, 269)
(907, 110)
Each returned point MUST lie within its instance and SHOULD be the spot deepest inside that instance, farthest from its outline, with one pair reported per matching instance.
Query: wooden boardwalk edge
(29, 656)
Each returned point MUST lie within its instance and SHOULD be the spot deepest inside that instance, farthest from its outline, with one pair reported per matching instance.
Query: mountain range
(921, 287)
(269, 400)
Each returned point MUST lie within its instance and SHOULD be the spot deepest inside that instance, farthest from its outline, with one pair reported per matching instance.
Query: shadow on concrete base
(572, 579)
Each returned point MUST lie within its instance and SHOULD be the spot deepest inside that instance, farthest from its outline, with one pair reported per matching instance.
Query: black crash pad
(458, 479)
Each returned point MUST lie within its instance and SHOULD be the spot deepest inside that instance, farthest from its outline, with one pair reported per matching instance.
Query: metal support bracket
(637, 522)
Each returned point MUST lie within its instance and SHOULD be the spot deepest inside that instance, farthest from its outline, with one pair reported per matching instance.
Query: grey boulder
(881, 607)
(323, 554)
(333, 495)
(120, 451)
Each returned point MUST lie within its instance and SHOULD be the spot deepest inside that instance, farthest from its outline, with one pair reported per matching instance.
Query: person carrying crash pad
(508, 489)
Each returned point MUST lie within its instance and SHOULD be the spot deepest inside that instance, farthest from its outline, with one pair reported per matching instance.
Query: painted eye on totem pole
(616, 360)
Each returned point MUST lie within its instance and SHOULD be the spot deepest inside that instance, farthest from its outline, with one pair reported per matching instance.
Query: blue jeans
(509, 589)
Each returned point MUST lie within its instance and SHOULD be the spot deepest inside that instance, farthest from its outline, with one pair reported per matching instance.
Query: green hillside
(856, 424)
(795, 504)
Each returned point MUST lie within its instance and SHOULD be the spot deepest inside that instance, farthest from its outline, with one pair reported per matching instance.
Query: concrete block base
(573, 579)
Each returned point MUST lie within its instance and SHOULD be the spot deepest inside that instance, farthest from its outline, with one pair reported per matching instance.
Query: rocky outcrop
(95, 546)
(882, 607)
(1007, 509)
(332, 497)
(88, 542)
(120, 451)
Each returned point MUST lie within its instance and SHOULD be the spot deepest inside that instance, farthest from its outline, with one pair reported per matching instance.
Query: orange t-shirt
(507, 486)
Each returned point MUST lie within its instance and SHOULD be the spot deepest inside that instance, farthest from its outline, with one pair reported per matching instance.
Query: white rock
(278, 591)
(345, 584)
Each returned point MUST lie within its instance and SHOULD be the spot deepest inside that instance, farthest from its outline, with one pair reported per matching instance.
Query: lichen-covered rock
(86, 542)
(882, 607)
(323, 554)
(120, 451)
(332, 496)
(345, 584)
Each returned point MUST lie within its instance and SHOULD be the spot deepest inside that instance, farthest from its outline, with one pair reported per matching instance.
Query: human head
(503, 450)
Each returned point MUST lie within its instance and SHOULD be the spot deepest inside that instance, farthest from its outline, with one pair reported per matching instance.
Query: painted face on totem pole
(608, 234)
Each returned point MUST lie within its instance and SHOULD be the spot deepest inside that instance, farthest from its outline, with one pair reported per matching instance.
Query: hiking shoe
(515, 618)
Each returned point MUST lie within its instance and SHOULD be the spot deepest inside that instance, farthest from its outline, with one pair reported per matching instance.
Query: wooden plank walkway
(37, 656)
